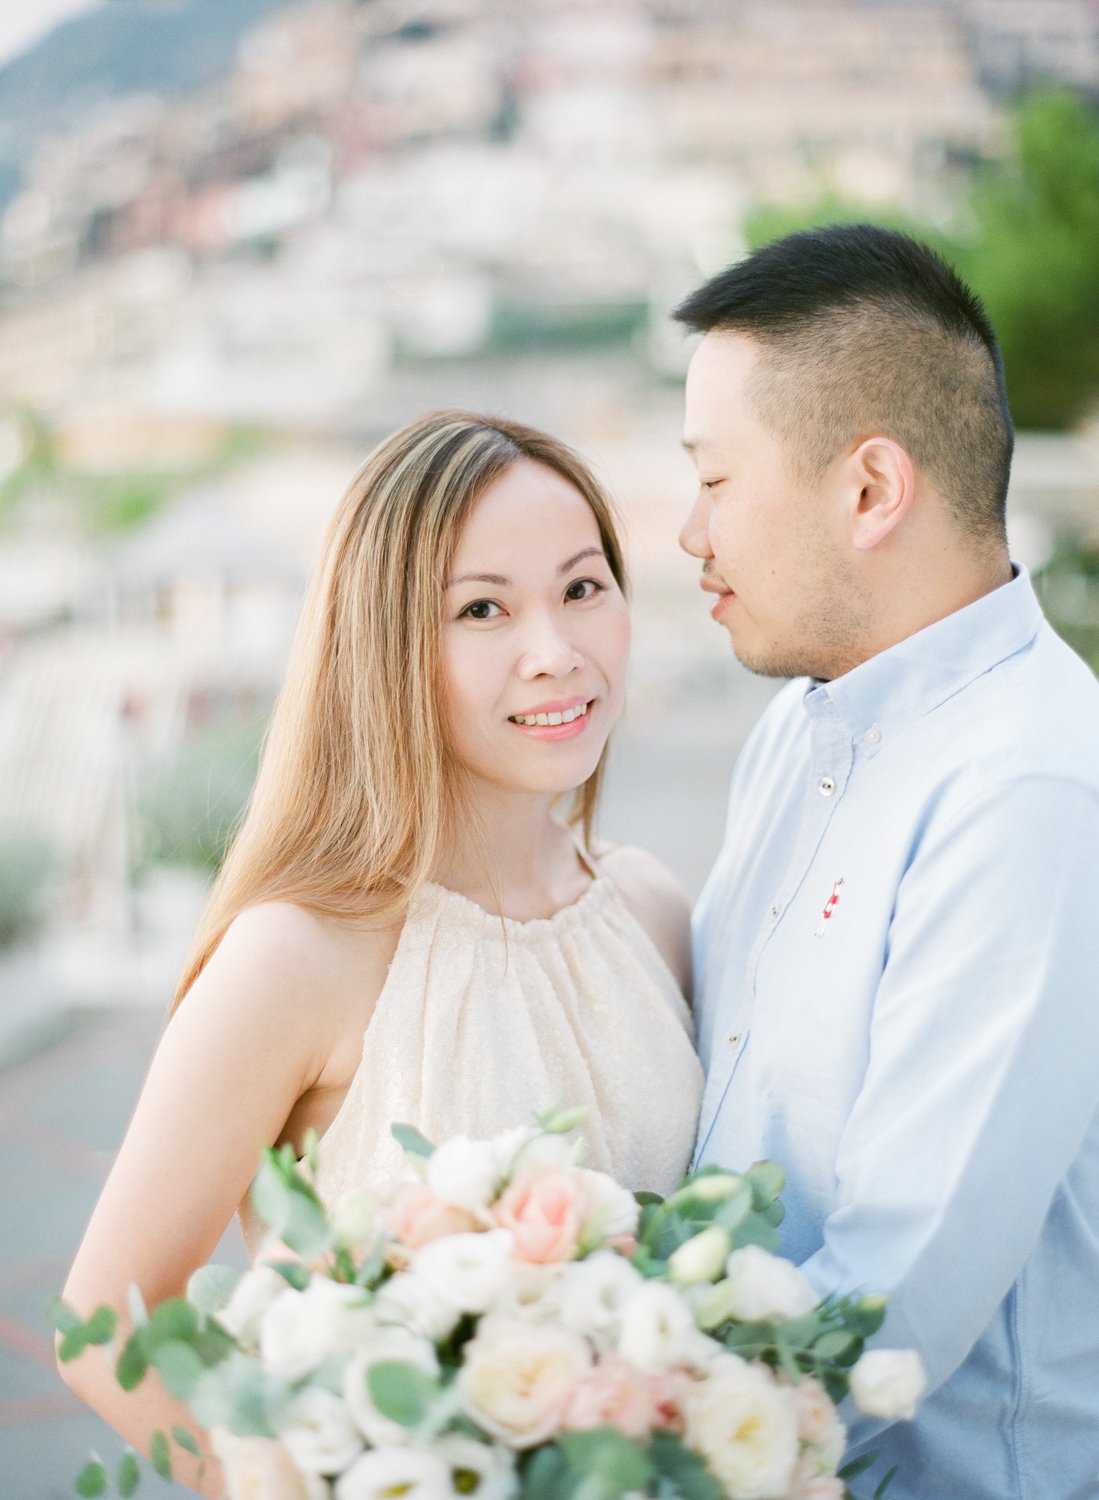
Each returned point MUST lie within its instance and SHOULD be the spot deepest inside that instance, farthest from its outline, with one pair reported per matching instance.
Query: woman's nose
(549, 652)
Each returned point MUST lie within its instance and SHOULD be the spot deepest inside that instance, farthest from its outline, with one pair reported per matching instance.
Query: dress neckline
(592, 896)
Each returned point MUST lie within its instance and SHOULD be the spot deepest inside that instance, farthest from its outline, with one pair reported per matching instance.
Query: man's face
(771, 541)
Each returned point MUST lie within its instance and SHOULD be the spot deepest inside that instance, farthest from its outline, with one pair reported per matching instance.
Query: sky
(21, 27)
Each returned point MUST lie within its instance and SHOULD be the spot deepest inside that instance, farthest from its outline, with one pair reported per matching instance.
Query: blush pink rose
(667, 1393)
(613, 1394)
(417, 1217)
(809, 1484)
(545, 1214)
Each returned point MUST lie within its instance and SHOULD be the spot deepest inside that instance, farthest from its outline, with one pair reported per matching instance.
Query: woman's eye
(480, 609)
(583, 588)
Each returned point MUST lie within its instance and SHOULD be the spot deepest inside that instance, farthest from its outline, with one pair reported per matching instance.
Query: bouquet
(510, 1323)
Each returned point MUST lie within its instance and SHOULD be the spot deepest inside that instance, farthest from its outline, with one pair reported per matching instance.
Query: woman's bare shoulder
(657, 899)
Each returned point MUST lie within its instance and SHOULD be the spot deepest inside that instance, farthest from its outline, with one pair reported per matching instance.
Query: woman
(402, 929)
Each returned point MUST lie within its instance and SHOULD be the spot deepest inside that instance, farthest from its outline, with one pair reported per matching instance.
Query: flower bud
(702, 1257)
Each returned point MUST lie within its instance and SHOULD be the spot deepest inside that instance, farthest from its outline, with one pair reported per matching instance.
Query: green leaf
(159, 1456)
(685, 1471)
(864, 1317)
(100, 1327)
(287, 1203)
(73, 1344)
(834, 1346)
(883, 1488)
(211, 1287)
(767, 1180)
(609, 1456)
(409, 1139)
(732, 1213)
(92, 1479)
(62, 1316)
(239, 1395)
(129, 1474)
(401, 1392)
(787, 1362)
(293, 1272)
(133, 1362)
(856, 1467)
(187, 1441)
(647, 1199)
(546, 1475)
(173, 1319)
(179, 1367)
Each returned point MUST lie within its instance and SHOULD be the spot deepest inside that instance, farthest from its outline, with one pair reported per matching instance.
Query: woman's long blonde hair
(357, 790)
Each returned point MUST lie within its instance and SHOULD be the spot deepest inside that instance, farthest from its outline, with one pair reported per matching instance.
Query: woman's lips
(552, 732)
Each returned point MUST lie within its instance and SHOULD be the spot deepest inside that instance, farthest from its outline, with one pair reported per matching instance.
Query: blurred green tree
(1028, 243)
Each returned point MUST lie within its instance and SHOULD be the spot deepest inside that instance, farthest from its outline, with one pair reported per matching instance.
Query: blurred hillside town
(212, 305)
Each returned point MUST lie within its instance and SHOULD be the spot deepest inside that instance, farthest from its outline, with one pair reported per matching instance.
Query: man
(898, 948)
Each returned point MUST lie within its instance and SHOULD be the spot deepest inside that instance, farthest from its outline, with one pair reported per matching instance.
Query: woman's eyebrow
(500, 582)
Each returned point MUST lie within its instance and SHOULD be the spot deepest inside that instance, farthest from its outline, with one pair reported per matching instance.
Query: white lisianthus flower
(593, 1293)
(518, 1378)
(389, 1346)
(464, 1172)
(465, 1270)
(702, 1257)
(407, 1301)
(253, 1294)
(491, 1468)
(656, 1330)
(411, 1473)
(530, 1292)
(764, 1288)
(540, 1153)
(888, 1383)
(612, 1208)
(355, 1218)
(745, 1427)
(319, 1434)
(259, 1468)
(300, 1330)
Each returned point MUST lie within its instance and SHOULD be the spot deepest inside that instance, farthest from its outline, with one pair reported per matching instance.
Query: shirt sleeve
(981, 1079)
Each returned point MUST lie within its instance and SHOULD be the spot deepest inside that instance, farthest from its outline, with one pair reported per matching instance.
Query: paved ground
(63, 1110)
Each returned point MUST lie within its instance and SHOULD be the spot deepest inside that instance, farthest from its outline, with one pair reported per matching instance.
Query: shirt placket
(831, 753)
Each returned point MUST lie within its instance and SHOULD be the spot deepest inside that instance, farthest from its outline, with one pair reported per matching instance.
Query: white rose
(541, 1153)
(407, 1301)
(300, 1330)
(517, 1379)
(319, 1434)
(612, 1209)
(464, 1172)
(530, 1292)
(411, 1473)
(888, 1383)
(700, 1258)
(764, 1288)
(389, 1346)
(491, 1468)
(259, 1468)
(465, 1269)
(593, 1293)
(657, 1330)
(355, 1218)
(745, 1427)
(252, 1296)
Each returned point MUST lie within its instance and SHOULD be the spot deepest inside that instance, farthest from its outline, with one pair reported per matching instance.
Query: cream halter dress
(483, 1020)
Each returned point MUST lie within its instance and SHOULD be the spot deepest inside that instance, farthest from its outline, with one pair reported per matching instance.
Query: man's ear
(882, 486)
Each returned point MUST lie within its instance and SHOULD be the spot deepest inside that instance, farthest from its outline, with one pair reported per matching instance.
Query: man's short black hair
(866, 330)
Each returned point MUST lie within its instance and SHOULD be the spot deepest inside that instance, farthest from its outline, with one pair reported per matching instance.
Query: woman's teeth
(566, 717)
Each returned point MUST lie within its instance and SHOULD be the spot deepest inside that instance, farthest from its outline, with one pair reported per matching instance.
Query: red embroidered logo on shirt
(829, 908)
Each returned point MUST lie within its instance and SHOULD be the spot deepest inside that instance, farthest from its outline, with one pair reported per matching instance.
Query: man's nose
(695, 535)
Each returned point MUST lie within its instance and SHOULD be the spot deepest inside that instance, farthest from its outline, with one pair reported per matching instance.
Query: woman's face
(536, 636)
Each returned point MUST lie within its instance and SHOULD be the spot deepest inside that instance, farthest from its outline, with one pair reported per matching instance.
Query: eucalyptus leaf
(63, 1317)
(187, 1441)
(546, 1475)
(401, 1392)
(608, 1455)
(240, 1395)
(159, 1456)
(179, 1367)
(171, 1320)
(211, 1287)
(293, 1272)
(92, 1479)
(685, 1472)
(856, 1467)
(834, 1346)
(133, 1362)
(409, 1139)
(291, 1208)
(883, 1489)
(129, 1474)
(100, 1327)
(767, 1180)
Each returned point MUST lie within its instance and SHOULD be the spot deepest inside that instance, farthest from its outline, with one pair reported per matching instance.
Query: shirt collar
(917, 674)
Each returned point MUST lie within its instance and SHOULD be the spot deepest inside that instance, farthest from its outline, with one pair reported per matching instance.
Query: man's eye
(583, 588)
(480, 609)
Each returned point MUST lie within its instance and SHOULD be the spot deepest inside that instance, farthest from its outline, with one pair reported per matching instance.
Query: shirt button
(734, 1038)
(873, 735)
(826, 786)
(773, 913)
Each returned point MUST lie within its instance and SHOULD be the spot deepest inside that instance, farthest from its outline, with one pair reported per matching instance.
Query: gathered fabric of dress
(483, 1020)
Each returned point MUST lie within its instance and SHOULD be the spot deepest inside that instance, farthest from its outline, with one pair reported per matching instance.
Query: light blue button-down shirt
(898, 964)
